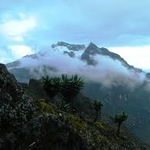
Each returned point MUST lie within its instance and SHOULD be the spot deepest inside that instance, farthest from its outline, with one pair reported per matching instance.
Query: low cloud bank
(108, 71)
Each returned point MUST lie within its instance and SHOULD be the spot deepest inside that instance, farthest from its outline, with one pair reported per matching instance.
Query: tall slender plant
(98, 107)
(119, 119)
(70, 87)
(51, 85)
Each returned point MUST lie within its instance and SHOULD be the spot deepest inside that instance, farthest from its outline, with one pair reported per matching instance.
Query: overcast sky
(123, 26)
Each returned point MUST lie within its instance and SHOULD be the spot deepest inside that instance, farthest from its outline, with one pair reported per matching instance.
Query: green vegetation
(75, 123)
(12, 116)
(64, 106)
(30, 121)
(98, 107)
(68, 87)
(51, 85)
(95, 135)
(45, 107)
(119, 119)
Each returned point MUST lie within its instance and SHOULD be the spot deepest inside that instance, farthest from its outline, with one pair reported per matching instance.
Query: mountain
(107, 76)
(92, 50)
(72, 47)
(24, 73)
(47, 60)
(29, 123)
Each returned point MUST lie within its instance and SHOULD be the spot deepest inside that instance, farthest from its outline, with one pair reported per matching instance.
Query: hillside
(107, 76)
(31, 123)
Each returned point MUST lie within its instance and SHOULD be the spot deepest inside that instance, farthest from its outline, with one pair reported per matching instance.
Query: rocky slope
(33, 124)
(119, 98)
(16, 107)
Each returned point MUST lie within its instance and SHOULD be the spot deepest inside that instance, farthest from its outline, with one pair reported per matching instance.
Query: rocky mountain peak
(73, 47)
(93, 50)
(92, 45)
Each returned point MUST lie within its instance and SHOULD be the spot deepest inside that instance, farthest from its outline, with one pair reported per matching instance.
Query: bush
(12, 116)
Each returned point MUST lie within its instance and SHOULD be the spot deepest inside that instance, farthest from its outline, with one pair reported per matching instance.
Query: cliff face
(27, 124)
(16, 107)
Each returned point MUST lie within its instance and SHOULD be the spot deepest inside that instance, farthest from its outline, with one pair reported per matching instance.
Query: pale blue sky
(27, 25)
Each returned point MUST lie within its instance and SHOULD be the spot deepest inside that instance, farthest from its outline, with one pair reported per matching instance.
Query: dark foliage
(70, 87)
(97, 106)
(119, 119)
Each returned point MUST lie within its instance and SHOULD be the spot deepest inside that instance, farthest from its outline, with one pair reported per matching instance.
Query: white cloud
(137, 56)
(18, 27)
(14, 29)
(107, 71)
(19, 51)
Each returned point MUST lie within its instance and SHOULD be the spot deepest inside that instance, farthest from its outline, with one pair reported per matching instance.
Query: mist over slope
(107, 76)
(29, 122)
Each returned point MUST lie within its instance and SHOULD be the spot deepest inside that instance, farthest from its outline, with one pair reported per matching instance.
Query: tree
(98, 107)
(70, 87)
(51, 85)
(119, 119)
